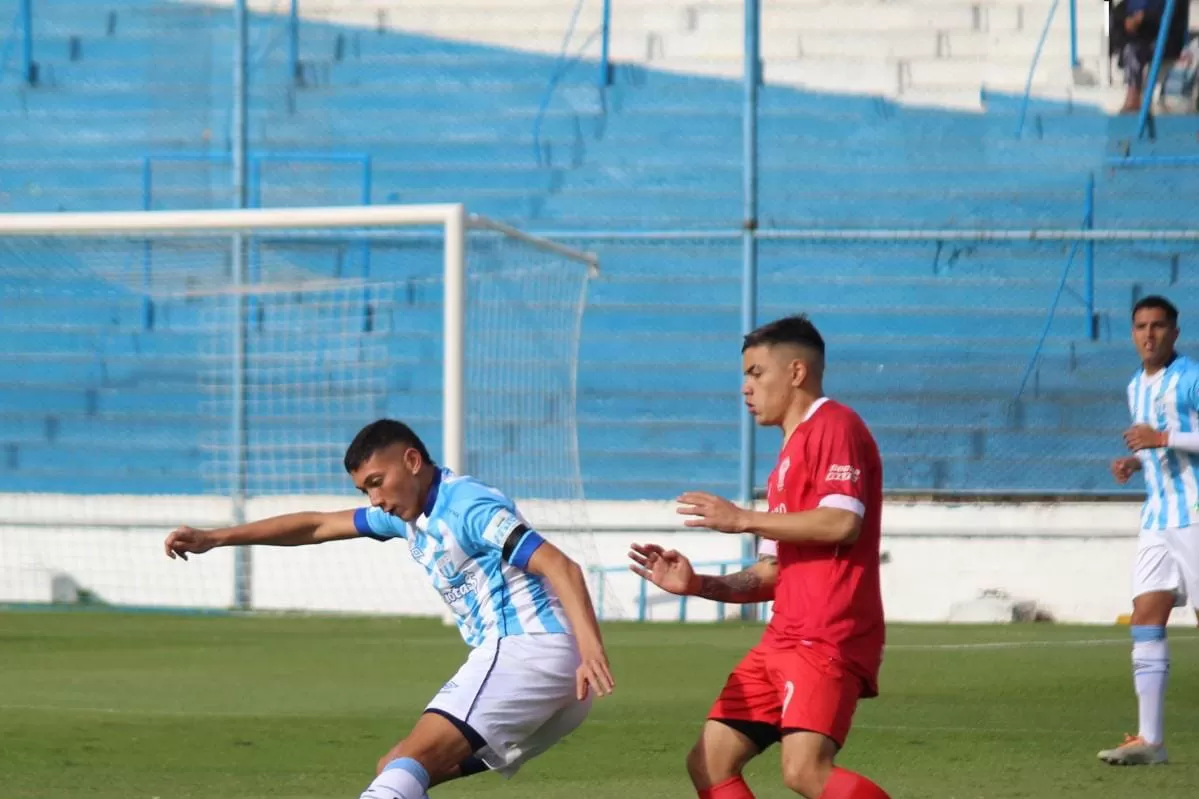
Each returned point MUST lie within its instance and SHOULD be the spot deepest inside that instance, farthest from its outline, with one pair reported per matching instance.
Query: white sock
(1150, 670)
(403, 778)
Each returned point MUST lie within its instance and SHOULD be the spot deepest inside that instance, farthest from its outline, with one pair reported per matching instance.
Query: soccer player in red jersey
(819, 562)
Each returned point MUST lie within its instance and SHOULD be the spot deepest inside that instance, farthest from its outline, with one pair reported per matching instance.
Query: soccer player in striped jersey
(521, 605)
(1163, 399)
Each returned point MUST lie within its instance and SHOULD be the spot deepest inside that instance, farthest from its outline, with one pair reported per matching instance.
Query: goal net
(201, 368)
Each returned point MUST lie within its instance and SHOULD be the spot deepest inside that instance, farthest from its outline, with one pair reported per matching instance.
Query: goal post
(329, 322)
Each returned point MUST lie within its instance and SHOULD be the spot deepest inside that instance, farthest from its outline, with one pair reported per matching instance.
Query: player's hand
(185, 540)
(713, 512)
(594, 673)
(1142, 436)
(666, 568)
(1123, 468)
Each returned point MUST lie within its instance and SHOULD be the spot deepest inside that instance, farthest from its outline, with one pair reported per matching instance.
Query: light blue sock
(402, 778)
(1150, 671)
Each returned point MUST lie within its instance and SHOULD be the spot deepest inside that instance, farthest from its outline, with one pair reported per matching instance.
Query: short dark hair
(1160, 303)
(378, 435)
(797, 330)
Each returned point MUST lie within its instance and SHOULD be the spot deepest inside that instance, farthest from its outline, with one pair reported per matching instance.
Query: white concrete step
(855, 15)
(887, 77)
(868, 45)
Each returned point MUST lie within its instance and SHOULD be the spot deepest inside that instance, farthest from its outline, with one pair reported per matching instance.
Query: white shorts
(516, 697)
(1168, 560)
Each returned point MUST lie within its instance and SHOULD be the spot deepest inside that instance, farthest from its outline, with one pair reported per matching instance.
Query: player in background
(819, 562)
(520, 603)
(1163, 399)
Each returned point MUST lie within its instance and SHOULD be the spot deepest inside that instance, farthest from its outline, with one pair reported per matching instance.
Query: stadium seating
(896, 116)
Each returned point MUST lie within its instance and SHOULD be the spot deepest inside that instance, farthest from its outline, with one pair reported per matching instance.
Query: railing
(1036, 57)
(605, 66)
(293, 42)
(22, 26)
(1088, 297)
(270, 36)
(722, 567)
(1074, 64)
(254, 200)
(1150, 84)
(565, 62)
(28, 67)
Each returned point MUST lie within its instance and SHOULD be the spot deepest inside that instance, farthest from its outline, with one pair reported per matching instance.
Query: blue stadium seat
(928, 341)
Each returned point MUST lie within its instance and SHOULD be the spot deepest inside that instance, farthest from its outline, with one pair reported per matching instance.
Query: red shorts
(775, 691)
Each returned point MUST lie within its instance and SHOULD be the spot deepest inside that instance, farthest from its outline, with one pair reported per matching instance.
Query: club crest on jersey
(446, 567)
(842, 474)
(782, 478)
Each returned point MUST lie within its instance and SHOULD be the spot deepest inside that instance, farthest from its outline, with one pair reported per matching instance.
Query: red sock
(844, 784)
(729, 789)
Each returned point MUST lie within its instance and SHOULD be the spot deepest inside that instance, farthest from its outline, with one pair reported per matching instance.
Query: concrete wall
(1072, 559)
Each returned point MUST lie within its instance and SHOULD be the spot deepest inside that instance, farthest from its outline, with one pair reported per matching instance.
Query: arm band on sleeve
(520, 546)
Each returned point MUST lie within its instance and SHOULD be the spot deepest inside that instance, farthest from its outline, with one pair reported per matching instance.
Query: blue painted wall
(928, 341)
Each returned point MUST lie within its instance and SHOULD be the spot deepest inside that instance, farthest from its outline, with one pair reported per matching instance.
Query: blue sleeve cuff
(529, 543)
(362, 524)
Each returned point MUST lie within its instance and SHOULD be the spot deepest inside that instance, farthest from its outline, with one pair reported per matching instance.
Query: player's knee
(708, 765)
(718, 755)
(1152, 608)
(697, 767)
(806, 776)
(807, 761)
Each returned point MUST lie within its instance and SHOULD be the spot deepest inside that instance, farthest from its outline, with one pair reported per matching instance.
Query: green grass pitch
(121, 706)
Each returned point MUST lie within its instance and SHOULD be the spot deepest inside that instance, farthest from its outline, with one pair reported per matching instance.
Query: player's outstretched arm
(566, 578)
(671, 571)
(290, 530)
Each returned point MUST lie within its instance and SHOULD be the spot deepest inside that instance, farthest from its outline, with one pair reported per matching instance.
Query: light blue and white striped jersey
(1168, 400)
(460, 540)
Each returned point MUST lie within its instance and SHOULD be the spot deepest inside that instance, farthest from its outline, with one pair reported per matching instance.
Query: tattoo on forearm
(744, 586)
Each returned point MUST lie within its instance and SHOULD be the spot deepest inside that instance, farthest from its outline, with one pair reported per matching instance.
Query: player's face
(391, 479)
(772, 376)
(1154, 336)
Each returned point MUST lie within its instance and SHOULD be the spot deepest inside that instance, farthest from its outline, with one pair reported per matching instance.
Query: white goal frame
(455, 223)
(452, 217)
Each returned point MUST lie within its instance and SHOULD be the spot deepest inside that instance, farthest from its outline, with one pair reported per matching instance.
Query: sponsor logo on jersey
(783, 467)
(842, 474)
(452, 595)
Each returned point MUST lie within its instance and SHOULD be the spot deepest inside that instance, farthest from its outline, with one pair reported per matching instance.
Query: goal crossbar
(89, 223)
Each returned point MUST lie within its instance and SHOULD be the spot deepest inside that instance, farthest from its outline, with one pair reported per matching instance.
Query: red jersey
(828, 597)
